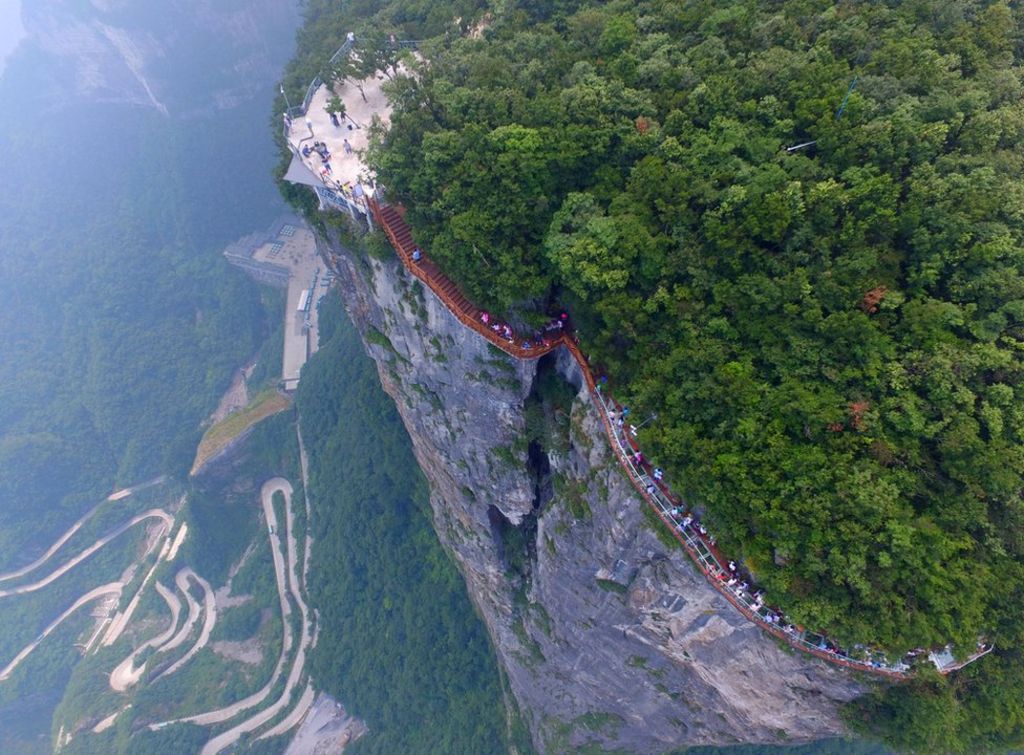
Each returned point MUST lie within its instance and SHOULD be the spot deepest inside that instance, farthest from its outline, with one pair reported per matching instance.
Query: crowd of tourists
(730, 578)
(542, 338)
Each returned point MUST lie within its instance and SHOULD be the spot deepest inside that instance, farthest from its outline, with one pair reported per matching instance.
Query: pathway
(125, 674)
(120, 622)
(465, 311)
(193, 614)
(277, 484)
(209, 619)
(293, 718)
(107, 722)
(229, 737)
(125, 492)
(151, 514)
(178, 540)
(52, 549)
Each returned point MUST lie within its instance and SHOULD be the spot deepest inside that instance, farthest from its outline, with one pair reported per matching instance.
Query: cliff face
(143, 52)
(606, 634)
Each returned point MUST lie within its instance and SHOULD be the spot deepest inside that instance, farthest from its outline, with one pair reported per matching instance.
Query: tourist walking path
(685, 527)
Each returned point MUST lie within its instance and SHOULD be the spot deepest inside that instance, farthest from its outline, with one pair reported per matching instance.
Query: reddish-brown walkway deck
(469, 315)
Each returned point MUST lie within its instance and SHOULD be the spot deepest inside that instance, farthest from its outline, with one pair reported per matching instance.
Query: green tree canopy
(831, 335)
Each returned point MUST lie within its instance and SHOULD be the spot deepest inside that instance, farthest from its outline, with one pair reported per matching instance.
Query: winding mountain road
(65, 568)
(231, 736)
(293, 718)
(113, 588)
(180, 579)
(121, 494)
(121, 619)
(277, 484)
(52, 549)
(125, 674)
(209, 618)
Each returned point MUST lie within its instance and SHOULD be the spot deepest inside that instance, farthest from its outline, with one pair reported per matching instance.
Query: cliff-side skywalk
(723, 575)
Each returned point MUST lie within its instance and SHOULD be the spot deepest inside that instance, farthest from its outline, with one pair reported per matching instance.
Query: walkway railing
(343, 51)
(685, 528)
(469, 315)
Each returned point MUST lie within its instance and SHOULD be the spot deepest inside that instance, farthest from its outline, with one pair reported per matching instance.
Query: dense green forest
(400, 643)
(121, 324)
(830, 335)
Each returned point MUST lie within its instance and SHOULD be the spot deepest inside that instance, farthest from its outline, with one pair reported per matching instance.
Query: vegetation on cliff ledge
(831, 335)
(400, 643)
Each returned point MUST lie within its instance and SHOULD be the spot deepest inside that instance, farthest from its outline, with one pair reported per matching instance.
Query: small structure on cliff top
(326, 148)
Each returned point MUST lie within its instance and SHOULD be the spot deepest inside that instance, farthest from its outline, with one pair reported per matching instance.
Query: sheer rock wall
(606, 635)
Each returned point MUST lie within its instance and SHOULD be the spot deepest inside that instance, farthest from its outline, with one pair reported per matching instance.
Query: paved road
(121, 619)
(193, 614)
(293, 718)
(52, 549)
(304, 466)
(125, 674)
(209, 619)
(74, 528)
(107, 722)
(230, 737)
(172, 603)
(113, 588)
(178, 540)
(223, 714)
(125, 492)
(61, 571)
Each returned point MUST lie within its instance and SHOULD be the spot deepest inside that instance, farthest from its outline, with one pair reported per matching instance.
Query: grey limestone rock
(606, 635)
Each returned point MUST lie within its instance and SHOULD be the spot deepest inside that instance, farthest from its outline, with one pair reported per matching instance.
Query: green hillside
(830, 335)
(401, 643)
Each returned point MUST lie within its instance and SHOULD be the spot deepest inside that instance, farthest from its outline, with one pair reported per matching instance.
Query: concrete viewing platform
(344, 171)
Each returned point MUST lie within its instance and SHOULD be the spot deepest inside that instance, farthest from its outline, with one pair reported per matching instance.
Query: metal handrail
(342, 51)
(427, 272)
(310, 91)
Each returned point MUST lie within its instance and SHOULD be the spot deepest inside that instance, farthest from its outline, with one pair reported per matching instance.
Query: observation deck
(327, 152)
